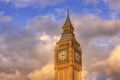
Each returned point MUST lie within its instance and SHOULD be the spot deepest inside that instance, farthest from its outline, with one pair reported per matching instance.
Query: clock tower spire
(68, 21)
(67, 54)
(67, 27)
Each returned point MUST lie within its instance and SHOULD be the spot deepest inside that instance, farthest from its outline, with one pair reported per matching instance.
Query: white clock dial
(62, 55)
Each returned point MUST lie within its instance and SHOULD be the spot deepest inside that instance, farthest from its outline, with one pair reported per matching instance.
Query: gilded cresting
(67, 54)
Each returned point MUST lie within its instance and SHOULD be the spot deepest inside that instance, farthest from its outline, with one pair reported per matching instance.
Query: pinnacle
(68, 21)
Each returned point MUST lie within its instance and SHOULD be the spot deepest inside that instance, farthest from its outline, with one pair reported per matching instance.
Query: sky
(29, 30)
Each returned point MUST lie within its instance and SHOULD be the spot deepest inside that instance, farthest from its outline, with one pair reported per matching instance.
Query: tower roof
(68, 21)
(68, 30)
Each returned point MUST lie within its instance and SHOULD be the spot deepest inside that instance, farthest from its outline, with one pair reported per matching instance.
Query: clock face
(62, 55)
(77, 56)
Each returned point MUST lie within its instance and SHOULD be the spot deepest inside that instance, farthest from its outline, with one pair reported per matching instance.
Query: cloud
(28, 49)
(90, 29)
(97, 26)
(44, 37)
(12, 76)
(107, 69)
(113, 4)
(95, 35)
(4, 18)
(115, 58)
(112, 63)
(34, 3)
(92, 1)
(45, 73)
(44, 24)
(21, 47)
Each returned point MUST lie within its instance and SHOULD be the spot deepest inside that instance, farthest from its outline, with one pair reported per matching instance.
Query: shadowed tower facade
(67, 54)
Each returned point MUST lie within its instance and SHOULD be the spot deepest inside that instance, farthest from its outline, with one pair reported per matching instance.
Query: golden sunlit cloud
(45, 73)
(44, 37)
(112, 64)
(114, 59)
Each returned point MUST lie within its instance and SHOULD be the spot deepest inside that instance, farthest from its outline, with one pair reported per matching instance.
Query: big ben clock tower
(67, 54)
